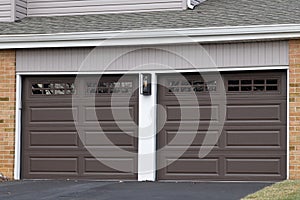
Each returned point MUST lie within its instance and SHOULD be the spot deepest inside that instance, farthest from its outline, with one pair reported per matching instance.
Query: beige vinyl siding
(21, 9)
(80, 7)
(256, 54)
(6, 11)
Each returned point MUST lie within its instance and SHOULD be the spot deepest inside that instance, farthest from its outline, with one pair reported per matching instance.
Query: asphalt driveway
(93, 190)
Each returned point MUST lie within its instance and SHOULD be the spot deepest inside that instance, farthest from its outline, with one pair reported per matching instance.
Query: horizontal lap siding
(72, 7)
(257, 54)
(5, 10)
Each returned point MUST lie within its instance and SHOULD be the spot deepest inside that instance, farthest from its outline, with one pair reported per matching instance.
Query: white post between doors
(17, 164)
(147, 132)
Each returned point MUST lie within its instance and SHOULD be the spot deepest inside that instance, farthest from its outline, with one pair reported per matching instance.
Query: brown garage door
(252, 144)
(53, 147)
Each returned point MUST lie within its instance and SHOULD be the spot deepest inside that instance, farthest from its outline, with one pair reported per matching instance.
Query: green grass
(286, 190)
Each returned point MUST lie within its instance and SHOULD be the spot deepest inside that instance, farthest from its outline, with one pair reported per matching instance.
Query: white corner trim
(13, 10)
(288, 126)
(17, 164)
(151, 37)
(189, 4)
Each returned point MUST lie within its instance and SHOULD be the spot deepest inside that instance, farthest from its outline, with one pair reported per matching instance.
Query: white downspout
(189, 4)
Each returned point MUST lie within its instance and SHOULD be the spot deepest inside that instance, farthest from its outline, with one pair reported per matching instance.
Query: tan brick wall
(294, 109)
(7, 111)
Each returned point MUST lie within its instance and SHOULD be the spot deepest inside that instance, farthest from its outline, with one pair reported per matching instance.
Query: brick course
(7, 111)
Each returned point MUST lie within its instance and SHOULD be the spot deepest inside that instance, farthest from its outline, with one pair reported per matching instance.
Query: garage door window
(183, 86)
(109, 87)
(52, 88)
(252, 85)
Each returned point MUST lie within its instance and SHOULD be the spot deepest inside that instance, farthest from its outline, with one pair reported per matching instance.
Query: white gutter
(150, 37)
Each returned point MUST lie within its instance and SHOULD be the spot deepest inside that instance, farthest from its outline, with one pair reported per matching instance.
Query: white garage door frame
(147, 106)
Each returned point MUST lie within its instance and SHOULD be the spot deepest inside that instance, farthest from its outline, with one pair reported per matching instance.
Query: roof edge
(151, 37)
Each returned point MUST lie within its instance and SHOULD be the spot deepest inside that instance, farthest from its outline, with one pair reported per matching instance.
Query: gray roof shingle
(211, 13)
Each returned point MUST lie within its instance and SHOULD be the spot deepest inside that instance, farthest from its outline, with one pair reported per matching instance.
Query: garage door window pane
(233, 82)
(246, 88)
(211, 86)
(173, 83)
(272, 81)
(61, 91)
(259, 88)
(246, 82)
(259, 81)
(184, 86)
(233, 88)
(122, 87)
(53, 88)
(272, 88)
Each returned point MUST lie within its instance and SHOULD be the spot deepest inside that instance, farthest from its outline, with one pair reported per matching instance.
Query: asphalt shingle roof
(211, 13)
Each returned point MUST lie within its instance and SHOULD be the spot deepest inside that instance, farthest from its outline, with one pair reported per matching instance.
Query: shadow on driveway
(93, 190)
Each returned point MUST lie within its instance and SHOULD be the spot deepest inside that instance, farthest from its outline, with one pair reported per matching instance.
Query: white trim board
(18, 128)
(288, 125)
(147, 133)
(151, 37)
(159, 71)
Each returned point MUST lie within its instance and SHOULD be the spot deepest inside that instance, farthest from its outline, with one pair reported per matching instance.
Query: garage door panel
(218, 167)
(53, 115)
(53, 165)
(193, 166)
(255, 137)
(254, 132)
(186, 138)
(244, 139)
(253, 166)
(240, 137)
(254, 112)
(109, 114)
(57, 124)
(57, 139)
(120, 139)
(101, 165)
(190, 113)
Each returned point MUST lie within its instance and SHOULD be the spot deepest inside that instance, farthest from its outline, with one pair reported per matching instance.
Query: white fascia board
(151, 37)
